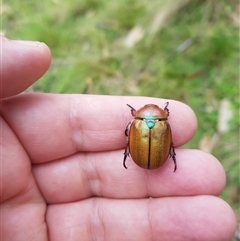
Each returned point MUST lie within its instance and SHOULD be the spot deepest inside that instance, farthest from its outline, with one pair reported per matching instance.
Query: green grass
(86, 39)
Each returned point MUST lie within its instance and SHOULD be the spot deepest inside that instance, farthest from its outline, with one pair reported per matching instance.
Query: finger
(203, 218)
(15, 164)
(23, 62)
(24, 215)
(55, 126)
(103, 175)
(22, 206)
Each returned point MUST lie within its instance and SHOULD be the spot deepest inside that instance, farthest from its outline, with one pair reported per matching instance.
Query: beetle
(149, 137)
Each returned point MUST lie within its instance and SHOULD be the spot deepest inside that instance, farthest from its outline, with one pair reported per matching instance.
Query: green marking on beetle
(150, 124)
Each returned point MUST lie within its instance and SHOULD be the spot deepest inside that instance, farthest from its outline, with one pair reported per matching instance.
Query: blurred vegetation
(183, 50)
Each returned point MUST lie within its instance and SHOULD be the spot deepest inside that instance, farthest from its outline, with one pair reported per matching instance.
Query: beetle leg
(126, 130)
(128, 127)
(173, 156)
(126, 154)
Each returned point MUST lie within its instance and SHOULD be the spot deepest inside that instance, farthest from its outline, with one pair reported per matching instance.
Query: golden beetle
(149, 137)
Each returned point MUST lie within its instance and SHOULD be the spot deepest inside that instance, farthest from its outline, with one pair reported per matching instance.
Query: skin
(61, 167)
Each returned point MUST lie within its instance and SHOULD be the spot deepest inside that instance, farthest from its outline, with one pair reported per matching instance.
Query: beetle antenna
(166, 105)
(133, 111)
(166, 109)
(131, 107)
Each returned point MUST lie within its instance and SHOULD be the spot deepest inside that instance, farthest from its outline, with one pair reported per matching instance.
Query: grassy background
(191, 55)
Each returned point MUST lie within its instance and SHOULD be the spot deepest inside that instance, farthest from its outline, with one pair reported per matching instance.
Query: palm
(63, 177)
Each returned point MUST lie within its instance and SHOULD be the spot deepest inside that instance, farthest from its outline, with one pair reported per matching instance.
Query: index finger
(54, 126)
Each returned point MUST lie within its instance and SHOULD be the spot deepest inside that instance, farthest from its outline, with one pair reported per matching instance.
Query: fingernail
(27, 42)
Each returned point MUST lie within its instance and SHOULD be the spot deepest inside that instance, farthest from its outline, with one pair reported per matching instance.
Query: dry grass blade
(167, 12)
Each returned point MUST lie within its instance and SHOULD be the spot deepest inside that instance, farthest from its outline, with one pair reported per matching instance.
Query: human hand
(62, 174)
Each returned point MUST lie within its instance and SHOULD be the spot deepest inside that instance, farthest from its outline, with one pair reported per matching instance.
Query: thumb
(22, 63)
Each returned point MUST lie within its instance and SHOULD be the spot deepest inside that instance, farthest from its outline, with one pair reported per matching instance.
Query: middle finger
(85, 175)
